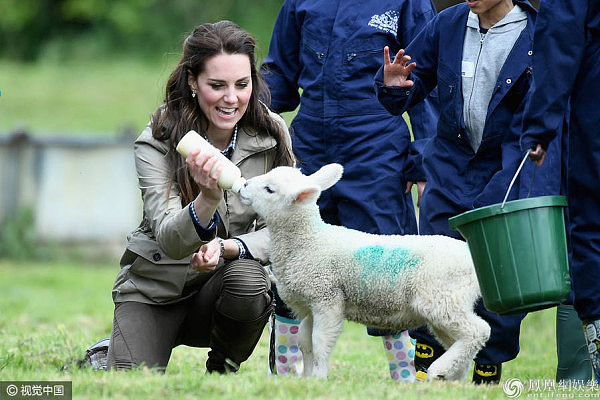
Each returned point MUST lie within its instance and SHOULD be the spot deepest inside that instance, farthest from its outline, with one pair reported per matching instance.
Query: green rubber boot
(571, 348)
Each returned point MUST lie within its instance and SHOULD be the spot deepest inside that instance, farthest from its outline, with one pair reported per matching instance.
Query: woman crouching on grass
(192, 272)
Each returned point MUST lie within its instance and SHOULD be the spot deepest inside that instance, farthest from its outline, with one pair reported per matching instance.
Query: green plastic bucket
(519, 250)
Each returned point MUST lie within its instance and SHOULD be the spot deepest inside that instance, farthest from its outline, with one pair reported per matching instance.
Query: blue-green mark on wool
(320, 224)
(382, 264)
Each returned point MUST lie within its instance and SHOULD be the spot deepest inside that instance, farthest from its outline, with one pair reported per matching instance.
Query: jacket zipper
(481, 40)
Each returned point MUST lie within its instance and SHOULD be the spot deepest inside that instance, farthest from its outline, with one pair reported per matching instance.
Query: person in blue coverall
(478, 53)
(566, 67)
(330, 49)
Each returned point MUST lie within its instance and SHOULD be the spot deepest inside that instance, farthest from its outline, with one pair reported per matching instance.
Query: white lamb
(326, 273)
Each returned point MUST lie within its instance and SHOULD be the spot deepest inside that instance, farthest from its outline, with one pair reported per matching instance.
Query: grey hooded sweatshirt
(483, 58)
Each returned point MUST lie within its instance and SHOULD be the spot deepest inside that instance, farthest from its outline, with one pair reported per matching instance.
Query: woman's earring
(193, 93)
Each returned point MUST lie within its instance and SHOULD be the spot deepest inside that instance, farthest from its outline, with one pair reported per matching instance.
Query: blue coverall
(567, 72)
(459, 179)
(331, 49)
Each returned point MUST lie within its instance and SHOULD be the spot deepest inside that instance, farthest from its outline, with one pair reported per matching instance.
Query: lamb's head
(283, 190)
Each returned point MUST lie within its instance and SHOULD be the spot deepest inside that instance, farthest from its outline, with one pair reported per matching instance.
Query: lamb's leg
(468, 337)
(305, 343)
(327, 327)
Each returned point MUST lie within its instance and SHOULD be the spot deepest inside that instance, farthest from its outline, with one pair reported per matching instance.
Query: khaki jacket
(155, 264)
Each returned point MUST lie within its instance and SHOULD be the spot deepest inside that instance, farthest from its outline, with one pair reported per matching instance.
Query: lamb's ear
(327, 176)
(308, 194)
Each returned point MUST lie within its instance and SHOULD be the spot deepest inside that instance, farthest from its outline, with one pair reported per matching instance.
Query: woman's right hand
(396, 73)
(200, 165)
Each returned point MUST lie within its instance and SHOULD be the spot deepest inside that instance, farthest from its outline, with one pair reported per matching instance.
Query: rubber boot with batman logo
(487, 373)
(425, 355)
(592, 337)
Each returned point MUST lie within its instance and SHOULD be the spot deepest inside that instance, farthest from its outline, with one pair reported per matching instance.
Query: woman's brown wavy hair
(180, 111)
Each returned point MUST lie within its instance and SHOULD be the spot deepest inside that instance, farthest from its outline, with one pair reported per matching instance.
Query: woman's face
(223, 90)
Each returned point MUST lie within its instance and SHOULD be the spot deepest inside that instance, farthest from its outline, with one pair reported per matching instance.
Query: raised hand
(396, 73)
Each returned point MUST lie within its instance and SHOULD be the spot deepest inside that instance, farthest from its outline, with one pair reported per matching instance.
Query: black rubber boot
(571, 348)
(425, 355)
(218, 363)
(232, 341)
(487, 373)
(240, 315)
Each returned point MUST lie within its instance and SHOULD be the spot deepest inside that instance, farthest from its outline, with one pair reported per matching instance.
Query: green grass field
(80, 98)
(51, 312)
(103, 98)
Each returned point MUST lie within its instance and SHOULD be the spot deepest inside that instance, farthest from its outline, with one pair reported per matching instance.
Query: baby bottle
(231, 176)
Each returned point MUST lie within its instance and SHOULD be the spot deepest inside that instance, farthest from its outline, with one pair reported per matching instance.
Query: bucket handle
(515, 177)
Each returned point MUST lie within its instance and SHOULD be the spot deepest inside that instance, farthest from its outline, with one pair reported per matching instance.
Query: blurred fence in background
(79, 190)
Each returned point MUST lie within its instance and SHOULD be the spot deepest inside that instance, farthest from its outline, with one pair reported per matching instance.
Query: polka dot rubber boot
(288, 357)
(400, 352)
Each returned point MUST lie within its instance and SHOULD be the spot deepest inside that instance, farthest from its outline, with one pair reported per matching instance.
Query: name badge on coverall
(468, 69)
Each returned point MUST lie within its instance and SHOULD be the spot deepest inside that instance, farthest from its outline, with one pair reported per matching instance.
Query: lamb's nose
(242, 191)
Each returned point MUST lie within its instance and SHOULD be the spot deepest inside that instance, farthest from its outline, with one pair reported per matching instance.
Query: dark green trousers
(227, 314)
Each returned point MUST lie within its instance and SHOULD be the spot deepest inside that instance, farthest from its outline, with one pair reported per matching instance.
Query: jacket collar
(516, 63)
(250, 142)
(515, 15)
(454, 26)
(458, 17)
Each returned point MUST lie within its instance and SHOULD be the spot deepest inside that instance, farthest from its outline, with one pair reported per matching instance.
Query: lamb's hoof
(423, 376)
(436, 377)
(437, 372)
(450, 374)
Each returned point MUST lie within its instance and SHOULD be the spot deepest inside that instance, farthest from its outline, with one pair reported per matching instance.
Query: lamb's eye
(269, 190)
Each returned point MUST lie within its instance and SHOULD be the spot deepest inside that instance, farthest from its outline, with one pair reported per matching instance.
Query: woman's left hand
(207, 257)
